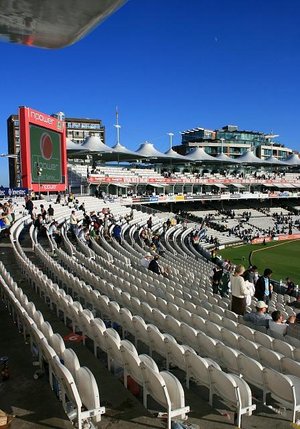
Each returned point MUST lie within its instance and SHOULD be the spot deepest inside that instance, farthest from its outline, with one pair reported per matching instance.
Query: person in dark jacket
(263, 287)
(154, 266)
(29, 205)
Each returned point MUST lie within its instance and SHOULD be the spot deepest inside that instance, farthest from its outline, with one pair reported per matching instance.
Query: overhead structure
(293, 160)
(274, 161)
(199, 155)
(148, 151)
(249, 158)
(73, 148)
(176, 157)
(225, 158)
(52, 24)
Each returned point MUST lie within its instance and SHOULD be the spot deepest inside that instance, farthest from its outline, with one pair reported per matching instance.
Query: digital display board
(43, 151)
(45, 147)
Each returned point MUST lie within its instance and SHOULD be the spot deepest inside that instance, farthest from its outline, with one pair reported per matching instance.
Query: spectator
(73, 224)
(29, 205)
(293, 329)
(263, 287)
(117, 233)
(145, 261)
(216, 279)
(249, 274)
(290, 286)
(50, 212)
(149, 222)
(239, 290)
(277, 325)
(154, 266)
(260, 317)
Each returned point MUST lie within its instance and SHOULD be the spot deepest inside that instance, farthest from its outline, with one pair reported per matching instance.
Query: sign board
(43, 151)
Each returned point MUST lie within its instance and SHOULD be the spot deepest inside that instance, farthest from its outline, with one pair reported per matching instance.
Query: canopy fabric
(72, 146)
(94, 144)
(122, 185)
(274, 161)
(198, 154)
(171, 153)
(249, 158)
(237, 185)
(147, 150)
(220, 185)
(292, 160)
(225, 158)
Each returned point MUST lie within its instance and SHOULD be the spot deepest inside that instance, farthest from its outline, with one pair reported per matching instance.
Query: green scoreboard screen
(45, 148)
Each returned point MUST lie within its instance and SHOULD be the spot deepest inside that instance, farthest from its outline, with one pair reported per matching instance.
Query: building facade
(233, 142)
(77, 129)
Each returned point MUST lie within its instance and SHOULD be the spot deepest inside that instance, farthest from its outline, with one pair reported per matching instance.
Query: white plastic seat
(198, 323)
(231, 339)
(58, 344)
(228, 357)
(284, 348)
(166, 390)
(190, 336)
(207, 346)
(285, 389)
(174, 327)
(213, 330)
(233, 390)
(140, 328)
(197, 369)
(249, 348)
(89, 393)
(113, 343)
(71, 361)
(269, 358)
(97, 333)
(246, 332)
(290, 367)
(263, 339)
(252, 372)
(230, 324)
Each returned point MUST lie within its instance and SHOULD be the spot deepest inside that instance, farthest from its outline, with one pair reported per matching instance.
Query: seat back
(71, 361)
(279, 385)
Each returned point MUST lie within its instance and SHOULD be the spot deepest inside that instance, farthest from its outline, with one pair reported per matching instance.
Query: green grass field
(283, 257)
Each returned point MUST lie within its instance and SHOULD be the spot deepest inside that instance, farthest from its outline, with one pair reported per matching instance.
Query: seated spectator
(290, 286)
(260, 317)
(293, 329)
(117, 233)
(145, 261)
(154, 265)
(278, 325)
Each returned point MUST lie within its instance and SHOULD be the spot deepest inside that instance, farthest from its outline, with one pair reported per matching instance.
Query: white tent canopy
(198, 154)
(249, 158)
(147, 150)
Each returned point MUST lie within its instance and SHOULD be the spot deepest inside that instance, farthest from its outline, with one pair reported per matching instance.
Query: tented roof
(71, 146)
(171, 153)
(94, 144)
(292, 160)
(274, 161)
(224, 158)
(199, 154)
(249, 158)
(147, 150)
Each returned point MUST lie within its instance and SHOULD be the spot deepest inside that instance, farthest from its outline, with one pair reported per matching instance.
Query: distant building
(77, 129)
(233, 142)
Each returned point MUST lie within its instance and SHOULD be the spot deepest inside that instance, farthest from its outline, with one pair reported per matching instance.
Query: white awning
(121, 185)
(220, 185)
(237, 185)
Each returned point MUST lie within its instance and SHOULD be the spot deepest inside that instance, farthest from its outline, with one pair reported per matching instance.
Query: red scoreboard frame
(28, 117)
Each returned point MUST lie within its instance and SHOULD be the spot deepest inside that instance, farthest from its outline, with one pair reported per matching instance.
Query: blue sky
(168, 65)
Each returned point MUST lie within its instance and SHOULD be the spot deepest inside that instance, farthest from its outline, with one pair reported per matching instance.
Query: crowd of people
(245, 284)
